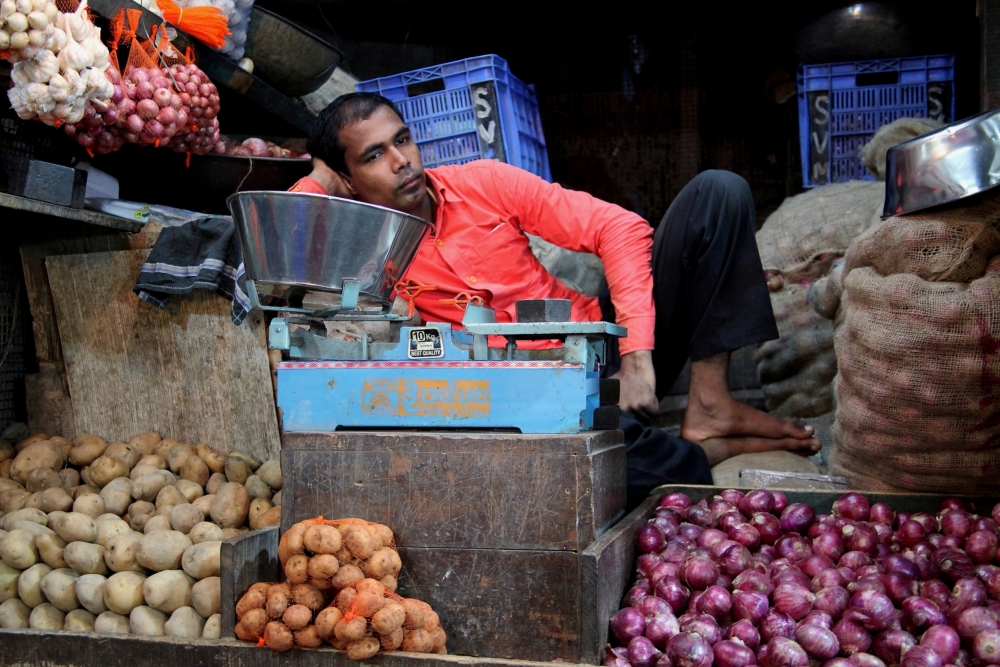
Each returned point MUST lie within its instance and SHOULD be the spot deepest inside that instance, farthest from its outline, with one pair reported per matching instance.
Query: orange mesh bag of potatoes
(332, 555)
(280, 616)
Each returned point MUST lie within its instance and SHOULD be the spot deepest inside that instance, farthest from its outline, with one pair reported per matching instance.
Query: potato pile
(354, 563)
(123, 537)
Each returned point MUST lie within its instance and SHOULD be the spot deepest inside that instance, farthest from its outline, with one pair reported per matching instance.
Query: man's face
(383, 162)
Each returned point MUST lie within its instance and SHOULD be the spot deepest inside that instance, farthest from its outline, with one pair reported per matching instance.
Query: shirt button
(472, 279)
(439, 242)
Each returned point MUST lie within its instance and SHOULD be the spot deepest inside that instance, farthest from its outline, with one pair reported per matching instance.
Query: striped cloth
(202, 254)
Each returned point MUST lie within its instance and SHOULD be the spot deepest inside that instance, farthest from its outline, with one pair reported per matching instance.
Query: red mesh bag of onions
(752, 578)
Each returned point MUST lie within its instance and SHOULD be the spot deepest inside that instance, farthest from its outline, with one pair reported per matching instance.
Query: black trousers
(711, 297)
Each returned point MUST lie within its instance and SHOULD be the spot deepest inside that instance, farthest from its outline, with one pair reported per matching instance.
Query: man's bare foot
(719, 449)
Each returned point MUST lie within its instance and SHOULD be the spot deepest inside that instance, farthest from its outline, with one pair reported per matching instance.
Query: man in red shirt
(696, 289)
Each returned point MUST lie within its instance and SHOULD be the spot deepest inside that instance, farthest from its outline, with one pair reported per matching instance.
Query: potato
(119, 553)
(185, 517)
(141, 469)
(296, 617)
(229, 533)
(321, 570)
(145, 442)
(204, 504)
(326, 621)
(152, 460)
(271, 517)
(8, 582)
(347, 575)
(363, 649)
(147, 622)
(213, 627)
(202, 560)
(307, 637)
(85, 475)
(37, 455)
(414, 614)
(278, 637)
(90, 593)
(309, 596)
(79, 620)
(195, 470)
(5, 467)
(389, 618)
(237, 470)
(75, 527)
(206, 596)
(70, 478)
(14, 615)
(111, 623)
(381, 563)
(91, 505)
(10, 485)
(35, 529)
(392, 641)
(162, 550)
(63, 444)
(34, 501)
(30, 440)
(123, 592)
(168, 590)
(169, 495)
(270, 474)
(214, 482)
(368, 602)
(87, 439)
(138, 523)
(297, 569)
(56, 500)
(7, 450)
(185, 622)
(123, 451)
(59, 588)
(205, 532)
(382, 533)
(251, 626)
(85, 453)
(178, 456)
(84, 489)
(255, 597)
(215, 460)
(322, 539)
(231, 505)
(29, 584)
(105, 469)
(26, 514)
(190, 490)
(352, 630)
(140, 507)
(359, 541)
(257, 488)
(12, 500)
(108, 529)
(418, 641)
(18, 549)
(50, 550)
(46, 617)
(158, 522)
(85, 558)
(149, 485)
(117, 496)
(164, 446)
(277, 602)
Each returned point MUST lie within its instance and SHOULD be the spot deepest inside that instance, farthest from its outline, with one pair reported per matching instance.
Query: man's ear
(347, 181)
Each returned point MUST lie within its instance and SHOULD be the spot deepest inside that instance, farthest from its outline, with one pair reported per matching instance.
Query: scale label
(425, 343)
(419, 397)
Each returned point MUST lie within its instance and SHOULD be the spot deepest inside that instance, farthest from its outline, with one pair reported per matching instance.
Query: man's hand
(331, 181)
(638, 384)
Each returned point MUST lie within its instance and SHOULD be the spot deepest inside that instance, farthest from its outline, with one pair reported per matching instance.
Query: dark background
(637, 98)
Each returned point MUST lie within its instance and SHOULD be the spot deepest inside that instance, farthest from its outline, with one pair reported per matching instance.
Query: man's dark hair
(324, 142)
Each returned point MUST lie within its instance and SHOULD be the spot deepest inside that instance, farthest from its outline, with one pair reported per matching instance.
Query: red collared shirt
(479, 247)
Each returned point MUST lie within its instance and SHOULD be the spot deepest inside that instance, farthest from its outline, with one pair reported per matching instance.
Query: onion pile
(200, 98)
(751, 579)
(151, 112)
(255, 147)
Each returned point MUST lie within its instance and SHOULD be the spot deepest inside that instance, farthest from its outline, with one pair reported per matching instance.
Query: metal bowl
(293, 241)
(290, 58)
(943, 166)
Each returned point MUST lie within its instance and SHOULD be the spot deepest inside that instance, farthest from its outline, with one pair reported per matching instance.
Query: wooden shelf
(65, 213)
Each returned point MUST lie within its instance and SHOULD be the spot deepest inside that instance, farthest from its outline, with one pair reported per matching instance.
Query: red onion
(817, 641)
(937, 592)
(768, 526)
(852, 636)
(963, 659)
(985, 523)
(817, 617)
(955, 523)
(854, 560)
(833, 600)
(689, 530)
(953, 563)
(735, 560)
(703, 625)
(981, 546)
(974, 620)
(745, 534)
(627, 623)
(733, 653)
(922, 613)
(776, 623)
(745, 631)
(882, 513)
(794, 600)
(675, 500)
(794, 547)
(901, 564)
(943, 640)
(732, 495)
(674, 592)
(899, 587)
(754, 581)
(882, 532)
(167, 116)
(144, 90)
(911, 533)
(147, 109)
(830, 577)
(838, 662)
(860, 537)
(758, 500)
(689, 649)
(710, 538)
(869, 583)
(780, 501)
(715, 602)
(862, 659)
(871, 609)
(646, 563)
(783, 652)
(660, 628)
(749, 605)
(847, 573)
(613, 659)
(920, 656)
(967, 592)
(651, 605)
(995, 513)
(797, 517)
(649, 539)
(993, 585)
(891, 644)
(853, 506)
(699, 573)
(641, 652)
(830, 544)
(815, 564)
(926, 520)
(984, 572)
(729, 520)
(134, 123)
(791, 575)
(700, 516)
(986, 647)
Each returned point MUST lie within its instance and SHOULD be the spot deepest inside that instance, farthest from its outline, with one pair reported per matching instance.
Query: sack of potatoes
(123, 537)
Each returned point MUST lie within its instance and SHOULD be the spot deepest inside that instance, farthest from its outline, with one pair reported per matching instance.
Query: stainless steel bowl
(943, 166)
(295, 240)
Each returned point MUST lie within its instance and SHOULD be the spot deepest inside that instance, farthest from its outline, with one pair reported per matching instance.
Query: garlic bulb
(97, 49)
(58, 88)
(74, 56)
(7, 7)
(41, 68)
(56, 40)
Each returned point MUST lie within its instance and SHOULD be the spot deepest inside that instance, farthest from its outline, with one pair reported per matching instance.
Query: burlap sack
(873, 153)
(918, 391)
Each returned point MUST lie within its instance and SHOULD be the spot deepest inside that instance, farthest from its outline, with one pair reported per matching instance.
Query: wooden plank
(66, 213)
(50, 409)
(185, 372)
(461, 490)
(35, 648)
(500, 603)
(246, 560)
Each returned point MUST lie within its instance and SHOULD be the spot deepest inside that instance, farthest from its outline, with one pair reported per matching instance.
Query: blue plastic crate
(469, 110)
(841, 105)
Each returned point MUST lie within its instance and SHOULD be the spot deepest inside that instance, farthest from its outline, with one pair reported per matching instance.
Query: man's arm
(323, 181)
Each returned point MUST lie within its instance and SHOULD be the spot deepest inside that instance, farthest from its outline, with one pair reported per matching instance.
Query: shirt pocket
(502, 248)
